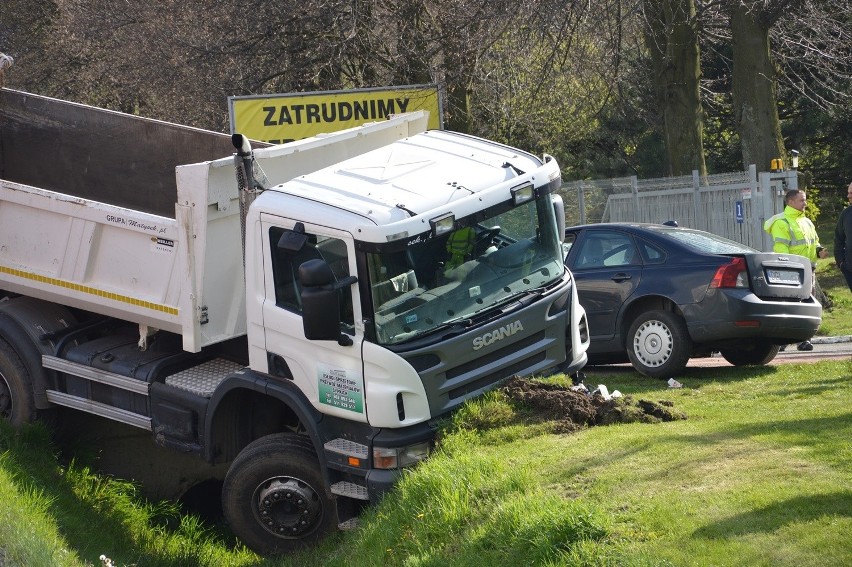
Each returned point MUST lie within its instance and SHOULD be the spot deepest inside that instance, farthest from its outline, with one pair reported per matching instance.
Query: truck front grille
(495, 356)
(464, 373)
(485, 381)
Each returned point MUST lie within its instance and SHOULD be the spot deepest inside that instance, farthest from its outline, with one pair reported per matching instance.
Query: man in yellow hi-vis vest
(459, 246)
(794, 233)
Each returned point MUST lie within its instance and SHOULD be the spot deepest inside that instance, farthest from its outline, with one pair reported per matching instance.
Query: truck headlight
(399, 457)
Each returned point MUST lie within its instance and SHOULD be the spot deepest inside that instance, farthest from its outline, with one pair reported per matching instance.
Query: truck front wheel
(273, 495)
(16, 392)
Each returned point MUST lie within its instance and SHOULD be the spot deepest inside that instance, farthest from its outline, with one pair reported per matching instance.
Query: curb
(831, 340)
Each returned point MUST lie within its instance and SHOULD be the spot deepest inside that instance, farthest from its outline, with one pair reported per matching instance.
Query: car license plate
(783, 277)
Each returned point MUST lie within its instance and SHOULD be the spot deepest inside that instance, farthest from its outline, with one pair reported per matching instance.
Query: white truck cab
(305, 322)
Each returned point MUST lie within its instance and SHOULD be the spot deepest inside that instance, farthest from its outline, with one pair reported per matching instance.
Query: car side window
(651, 254)
(567, 243)
(605, 249)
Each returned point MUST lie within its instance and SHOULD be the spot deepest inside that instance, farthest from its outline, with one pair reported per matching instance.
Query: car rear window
(707, 242)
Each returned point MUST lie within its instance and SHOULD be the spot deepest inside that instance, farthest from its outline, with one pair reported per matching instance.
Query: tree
(564, 77)
(815, 89)
(671, 30)
(755, 80)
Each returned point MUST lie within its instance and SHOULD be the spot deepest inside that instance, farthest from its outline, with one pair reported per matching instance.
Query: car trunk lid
(780, 276)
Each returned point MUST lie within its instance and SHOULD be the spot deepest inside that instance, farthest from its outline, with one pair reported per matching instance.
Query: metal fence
(734, 205)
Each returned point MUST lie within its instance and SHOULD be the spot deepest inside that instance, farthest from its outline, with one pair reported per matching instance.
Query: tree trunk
(412, 46)
(459, 68)
(755, 89)
(671, 36)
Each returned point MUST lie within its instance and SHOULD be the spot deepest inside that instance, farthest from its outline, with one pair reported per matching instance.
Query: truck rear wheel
(16, 392)
(274, 496)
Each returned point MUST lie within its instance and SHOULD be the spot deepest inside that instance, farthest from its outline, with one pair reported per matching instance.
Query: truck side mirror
(559, 209)
(320, 305)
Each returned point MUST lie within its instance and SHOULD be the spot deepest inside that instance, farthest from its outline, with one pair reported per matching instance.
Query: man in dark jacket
(843, 240)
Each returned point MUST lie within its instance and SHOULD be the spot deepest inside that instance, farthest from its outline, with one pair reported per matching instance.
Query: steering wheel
(485, 239)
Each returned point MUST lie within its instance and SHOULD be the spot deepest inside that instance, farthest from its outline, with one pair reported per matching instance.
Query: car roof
(669, 233)
(631, 225)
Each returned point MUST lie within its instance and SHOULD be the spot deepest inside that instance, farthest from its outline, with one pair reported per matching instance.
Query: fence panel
(733, 205)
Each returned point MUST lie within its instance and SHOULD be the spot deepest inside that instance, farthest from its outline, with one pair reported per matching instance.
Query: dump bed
(96, 214)
(98, 154)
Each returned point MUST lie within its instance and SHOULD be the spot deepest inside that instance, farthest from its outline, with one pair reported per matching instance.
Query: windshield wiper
(452, 328)
(520, 299)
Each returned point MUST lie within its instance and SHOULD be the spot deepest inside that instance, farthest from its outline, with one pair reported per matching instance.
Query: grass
(759, 474)
(836, 320)
(28, 535)
(65, 515)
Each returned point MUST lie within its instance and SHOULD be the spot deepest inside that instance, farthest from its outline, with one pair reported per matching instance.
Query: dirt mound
(573, 409)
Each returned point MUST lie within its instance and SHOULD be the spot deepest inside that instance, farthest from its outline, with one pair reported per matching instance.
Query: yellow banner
(283, 118)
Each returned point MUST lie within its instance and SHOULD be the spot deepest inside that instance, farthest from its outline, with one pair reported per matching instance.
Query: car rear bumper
(739, 314)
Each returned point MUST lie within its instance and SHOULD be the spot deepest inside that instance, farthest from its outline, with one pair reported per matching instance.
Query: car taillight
(733, 274)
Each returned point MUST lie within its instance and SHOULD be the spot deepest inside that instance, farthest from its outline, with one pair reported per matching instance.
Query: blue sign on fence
(738, 211)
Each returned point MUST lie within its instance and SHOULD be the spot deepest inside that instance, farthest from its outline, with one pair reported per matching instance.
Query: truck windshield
(435, 282)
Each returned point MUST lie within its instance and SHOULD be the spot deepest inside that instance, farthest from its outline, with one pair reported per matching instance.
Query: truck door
(328, 372)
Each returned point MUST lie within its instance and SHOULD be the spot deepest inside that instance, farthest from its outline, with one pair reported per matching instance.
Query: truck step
(203, 379)
(347, 448)
(350, 490)
(348, 525)
(98, 408)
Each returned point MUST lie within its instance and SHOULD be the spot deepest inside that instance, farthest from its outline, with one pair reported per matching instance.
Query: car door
(607, 267)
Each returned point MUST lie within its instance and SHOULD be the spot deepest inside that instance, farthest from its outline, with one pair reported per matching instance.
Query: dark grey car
(658, 295)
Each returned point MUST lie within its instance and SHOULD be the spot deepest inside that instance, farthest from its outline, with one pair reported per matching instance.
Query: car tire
(16, 392)
(658, 344)
(759, 355)
(274, 496)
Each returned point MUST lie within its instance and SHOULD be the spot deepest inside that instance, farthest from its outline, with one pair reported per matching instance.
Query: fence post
(757, 209)
(696, 202)
(634, 187)
(581, 200)
(768, 198)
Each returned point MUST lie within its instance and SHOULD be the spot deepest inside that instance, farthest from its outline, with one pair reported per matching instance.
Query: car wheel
(658, 344)
(274, 497)
(16, 392)
(758, 355)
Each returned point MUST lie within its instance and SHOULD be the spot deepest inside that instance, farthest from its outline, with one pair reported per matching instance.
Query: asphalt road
(825, 348)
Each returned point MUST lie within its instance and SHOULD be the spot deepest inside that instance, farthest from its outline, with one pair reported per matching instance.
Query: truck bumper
(380, 482)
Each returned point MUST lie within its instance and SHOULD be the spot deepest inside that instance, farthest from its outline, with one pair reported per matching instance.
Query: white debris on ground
(601, 391)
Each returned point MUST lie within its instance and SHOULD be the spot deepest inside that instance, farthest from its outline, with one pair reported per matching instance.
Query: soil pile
(573, 409)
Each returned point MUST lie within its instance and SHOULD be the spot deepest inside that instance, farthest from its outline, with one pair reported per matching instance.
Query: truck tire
(16, 391)
(760, 354)
(274, 497)
(658, 344)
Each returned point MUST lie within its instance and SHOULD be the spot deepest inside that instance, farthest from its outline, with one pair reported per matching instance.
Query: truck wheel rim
(287, 507)
(653, 343)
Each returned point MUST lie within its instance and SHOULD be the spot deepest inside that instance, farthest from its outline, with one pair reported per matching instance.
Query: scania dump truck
(305, 320)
